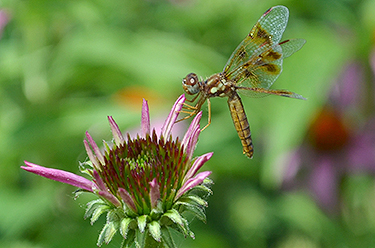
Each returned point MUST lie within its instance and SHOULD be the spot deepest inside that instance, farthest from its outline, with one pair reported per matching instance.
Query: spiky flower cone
(144, 184)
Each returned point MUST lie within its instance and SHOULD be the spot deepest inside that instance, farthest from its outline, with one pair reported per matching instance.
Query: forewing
(263, 70)
(291, 46)
(265, 33)
(274, 21)
(259, 71)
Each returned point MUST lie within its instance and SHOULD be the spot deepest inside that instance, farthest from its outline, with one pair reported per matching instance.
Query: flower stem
(150, 242)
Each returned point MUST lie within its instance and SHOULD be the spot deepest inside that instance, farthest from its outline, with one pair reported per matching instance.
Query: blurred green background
(67, 64)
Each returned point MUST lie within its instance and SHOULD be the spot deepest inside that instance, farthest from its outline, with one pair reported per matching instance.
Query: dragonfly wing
(260, 92)
(291, 46)
(267, 31)
(260, 71)
(274, 21)
(263, 69)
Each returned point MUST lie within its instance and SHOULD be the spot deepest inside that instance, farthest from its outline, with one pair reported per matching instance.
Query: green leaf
(142, 221)
(154, 228)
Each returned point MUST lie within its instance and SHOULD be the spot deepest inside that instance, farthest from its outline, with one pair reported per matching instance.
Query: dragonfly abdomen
(240, 123)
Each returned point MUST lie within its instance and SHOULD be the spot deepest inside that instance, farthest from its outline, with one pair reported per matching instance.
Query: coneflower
(144, 184)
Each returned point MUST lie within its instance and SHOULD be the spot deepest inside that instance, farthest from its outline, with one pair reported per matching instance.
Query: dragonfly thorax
(191, 84)
(217, 85)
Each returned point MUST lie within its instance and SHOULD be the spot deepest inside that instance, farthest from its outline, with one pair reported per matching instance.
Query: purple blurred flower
(335, 147)
(4, 18)
(143, 184)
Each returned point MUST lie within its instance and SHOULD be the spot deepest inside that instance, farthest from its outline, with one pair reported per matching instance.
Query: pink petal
(192, 142)
(96, 149)
(91, 155)
(197, 165)
(154, 192)
(192, 182)
(111, 198)
(191, 137)
(145, 121)
(60, 175)
(99, 181)
(126, 197)
(117, 135)
(172, 117)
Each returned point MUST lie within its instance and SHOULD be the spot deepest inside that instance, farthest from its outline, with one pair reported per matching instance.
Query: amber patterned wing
(266, 32)
(257, 61)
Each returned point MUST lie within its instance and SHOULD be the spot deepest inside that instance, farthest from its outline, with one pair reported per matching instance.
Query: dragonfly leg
(190, 107)
(193, 99)
(209, 114)
(193, 111)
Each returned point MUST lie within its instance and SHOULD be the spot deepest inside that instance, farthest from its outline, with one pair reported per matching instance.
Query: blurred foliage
(66, 65)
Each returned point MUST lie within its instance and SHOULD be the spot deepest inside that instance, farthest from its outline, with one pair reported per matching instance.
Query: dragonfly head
(191, 84)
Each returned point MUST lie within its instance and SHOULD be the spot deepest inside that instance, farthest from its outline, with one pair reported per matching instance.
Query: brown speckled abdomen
(240, 123)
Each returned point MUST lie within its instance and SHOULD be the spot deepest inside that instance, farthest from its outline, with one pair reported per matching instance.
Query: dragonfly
(251, 70)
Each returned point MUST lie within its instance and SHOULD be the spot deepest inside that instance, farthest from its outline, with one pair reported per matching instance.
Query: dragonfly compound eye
(191, 84)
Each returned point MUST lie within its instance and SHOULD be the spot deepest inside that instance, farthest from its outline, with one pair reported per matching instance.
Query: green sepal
(157, 211)
(193, 199)
(91, 206)
(125, 226)
(78, 192)
(176, 218)
(142, 222)
(97, 212)
(115, 215)
(203, 188)
(167, 237)
(154, 229)
(196, 210)
(208, 181)
(186, 225)
(86, 168)
(107, 233)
